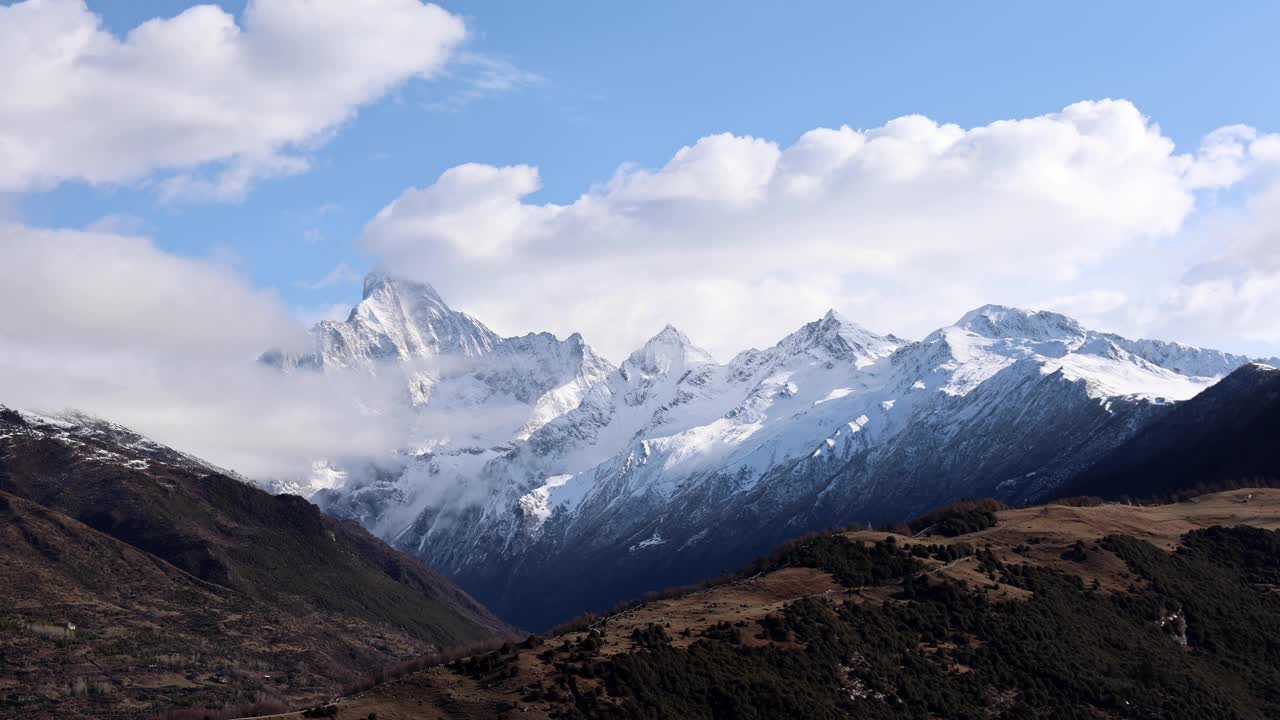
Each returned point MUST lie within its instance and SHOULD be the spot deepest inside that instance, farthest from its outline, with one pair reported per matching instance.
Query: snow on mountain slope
(817, 431)
(548, 481)
(103, 441)
(818, 395)
(475, 393)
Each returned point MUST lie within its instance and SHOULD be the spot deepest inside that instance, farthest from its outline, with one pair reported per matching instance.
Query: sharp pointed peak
(373, 281)
(668, 336)
(670, 332)
(663, 348)
(838, 336)
(835, 321)
(381, 280)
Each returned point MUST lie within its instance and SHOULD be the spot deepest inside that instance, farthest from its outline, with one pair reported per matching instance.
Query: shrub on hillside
(959, 518)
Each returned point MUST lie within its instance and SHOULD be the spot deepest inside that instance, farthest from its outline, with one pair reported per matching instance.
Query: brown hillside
(1038, 536)
(187, 587)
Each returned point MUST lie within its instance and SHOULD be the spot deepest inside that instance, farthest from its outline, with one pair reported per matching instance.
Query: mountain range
(547, 481)
(140, 578)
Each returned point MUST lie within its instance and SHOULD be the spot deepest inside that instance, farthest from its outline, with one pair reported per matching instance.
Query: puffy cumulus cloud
(179, 93)
(472, 212)
(739, 240)
(116, 327)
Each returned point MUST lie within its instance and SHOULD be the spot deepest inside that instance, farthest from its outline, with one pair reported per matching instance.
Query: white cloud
(309, 316)
(118, 223)
(1091, 303)
(1235, 289)
(119, 292)
(176, 94)
(116, 327)
(739, 240)
(484, 76)
(232, 181)
(341, 273)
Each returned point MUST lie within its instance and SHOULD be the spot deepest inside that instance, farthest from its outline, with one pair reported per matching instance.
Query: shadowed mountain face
(187, 586)
(1228, 434)
(547, 481)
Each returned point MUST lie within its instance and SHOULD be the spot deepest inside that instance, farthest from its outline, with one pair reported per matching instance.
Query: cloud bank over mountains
(1090, 211)
(897, 226)
(738, 240)
(114, 326)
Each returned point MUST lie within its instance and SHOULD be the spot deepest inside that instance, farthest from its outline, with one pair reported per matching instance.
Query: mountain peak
(396, 318)
(670, 333)
(373, 281)
(838, 336)
(668, 349)
(835, 322)
(380, 281)
(1002, 321)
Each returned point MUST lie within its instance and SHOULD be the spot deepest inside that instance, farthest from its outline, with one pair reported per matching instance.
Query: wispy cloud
(231, 182)
(314, 218)
(118, 224)
(341, 273)
(311, 315)
(484, 76)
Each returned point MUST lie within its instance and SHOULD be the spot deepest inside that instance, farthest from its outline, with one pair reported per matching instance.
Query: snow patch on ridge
(552, 493)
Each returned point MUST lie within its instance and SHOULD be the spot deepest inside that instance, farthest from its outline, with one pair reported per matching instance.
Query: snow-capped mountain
(405, 327)
(576, 484)
(474, 393)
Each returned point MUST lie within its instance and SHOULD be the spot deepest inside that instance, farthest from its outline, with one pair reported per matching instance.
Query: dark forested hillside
(156, 581)
(1108, 611)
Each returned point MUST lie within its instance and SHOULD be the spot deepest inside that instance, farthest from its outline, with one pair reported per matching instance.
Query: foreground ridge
(138, 578)
(1098, 609)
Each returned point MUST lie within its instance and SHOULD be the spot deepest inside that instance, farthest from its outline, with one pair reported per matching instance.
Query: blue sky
(580, 90)
(630, 83)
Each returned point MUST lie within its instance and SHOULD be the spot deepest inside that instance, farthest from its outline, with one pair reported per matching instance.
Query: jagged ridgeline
(547, 481)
